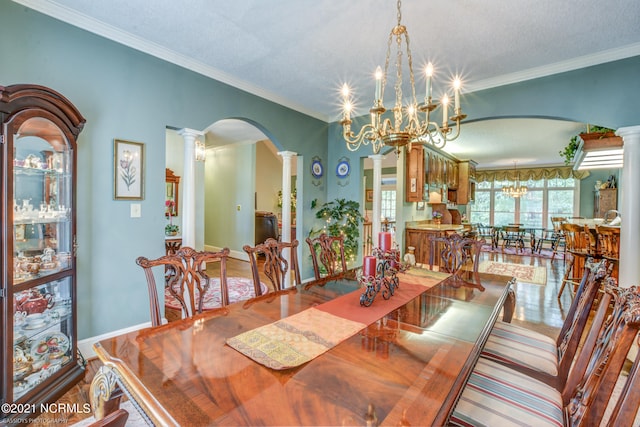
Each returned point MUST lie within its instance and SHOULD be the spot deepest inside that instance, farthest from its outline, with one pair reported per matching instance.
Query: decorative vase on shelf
(437, 221)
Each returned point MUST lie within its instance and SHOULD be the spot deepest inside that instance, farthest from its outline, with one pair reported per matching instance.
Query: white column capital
(190, 133)
(375, 157)
(287, 154)
(629, 131)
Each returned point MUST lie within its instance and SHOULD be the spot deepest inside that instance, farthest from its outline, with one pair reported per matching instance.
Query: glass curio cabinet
(40, 360)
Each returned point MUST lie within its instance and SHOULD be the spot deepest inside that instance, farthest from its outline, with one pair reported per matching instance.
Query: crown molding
(556, 68)
(72, 17)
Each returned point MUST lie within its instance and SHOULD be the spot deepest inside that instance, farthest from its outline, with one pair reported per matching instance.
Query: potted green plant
(594, 132)
(171, 230)
(342, 217)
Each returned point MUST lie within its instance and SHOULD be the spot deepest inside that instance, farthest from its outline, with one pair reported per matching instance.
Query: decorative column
(286, 206)
(629, 267)
(377, 197)
(188, 193)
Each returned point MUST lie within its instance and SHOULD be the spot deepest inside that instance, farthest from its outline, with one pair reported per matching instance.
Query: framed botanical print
(128, 170)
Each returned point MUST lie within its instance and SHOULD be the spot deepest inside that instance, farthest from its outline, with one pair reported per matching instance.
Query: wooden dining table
(406, 368)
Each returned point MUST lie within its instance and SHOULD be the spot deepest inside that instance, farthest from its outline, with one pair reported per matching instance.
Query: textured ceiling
(299, 52)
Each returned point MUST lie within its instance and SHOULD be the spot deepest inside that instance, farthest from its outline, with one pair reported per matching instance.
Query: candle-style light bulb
(378, 83)
(456, 89)
(445, 110)
(429, 73)
(345, 91)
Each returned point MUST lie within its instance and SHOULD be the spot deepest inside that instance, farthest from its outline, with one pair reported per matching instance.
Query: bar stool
(578, 245)
(609, 244)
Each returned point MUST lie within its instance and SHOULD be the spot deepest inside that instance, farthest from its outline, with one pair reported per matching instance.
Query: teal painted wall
(130, 95)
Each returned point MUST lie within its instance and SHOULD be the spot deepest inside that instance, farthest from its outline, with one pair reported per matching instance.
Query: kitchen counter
(418, 233)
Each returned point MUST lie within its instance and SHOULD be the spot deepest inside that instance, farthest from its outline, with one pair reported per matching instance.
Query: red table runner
(297, 339)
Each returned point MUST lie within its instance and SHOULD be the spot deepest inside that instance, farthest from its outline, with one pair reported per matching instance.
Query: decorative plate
(55, 344)
(316, 168)
(343, 169)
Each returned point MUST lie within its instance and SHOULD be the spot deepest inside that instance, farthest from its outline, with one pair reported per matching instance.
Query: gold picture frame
(128, 170)
(369, 196)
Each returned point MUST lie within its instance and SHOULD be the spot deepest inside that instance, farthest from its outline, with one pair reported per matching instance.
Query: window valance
(530, 173)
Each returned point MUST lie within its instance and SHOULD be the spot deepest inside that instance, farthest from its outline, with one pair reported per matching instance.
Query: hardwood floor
(537, 307)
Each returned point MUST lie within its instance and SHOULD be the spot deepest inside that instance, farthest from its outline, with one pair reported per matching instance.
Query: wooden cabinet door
(414, 190)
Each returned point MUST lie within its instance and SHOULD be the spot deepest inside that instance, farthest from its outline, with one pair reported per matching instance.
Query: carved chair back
(452, 253)
(568, 340)
(185, 279)
(276, 266)
(327, 255)
(594, 375)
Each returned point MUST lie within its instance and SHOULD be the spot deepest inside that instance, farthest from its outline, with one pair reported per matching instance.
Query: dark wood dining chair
(454, 254)
(539, 355)
(547, 237)
(275, 266)
(327, 256)
(186, 280)
(513, 235)
(487, 233)
(498, 395)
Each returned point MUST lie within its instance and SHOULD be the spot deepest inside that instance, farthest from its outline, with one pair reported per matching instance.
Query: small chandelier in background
(517, 190)
(200, 151)
(411, 123)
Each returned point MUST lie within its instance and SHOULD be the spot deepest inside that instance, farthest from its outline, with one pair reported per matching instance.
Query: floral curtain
(526, 174)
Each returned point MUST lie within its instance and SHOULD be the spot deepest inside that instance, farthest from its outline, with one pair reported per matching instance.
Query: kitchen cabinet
(464, 193)
(604, 199)
(414, 191)
(40, 361)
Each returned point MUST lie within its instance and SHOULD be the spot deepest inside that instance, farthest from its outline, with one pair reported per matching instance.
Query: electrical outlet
(136, 210)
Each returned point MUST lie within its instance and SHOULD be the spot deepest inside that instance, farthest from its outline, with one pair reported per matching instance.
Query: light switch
(136, 210)
(238, 207)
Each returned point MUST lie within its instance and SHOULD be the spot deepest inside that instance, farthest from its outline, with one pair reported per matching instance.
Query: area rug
(524, 273)
(544, 253)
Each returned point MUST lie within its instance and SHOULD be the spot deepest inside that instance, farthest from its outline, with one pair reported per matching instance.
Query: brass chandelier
(516, 190)
(407, 126)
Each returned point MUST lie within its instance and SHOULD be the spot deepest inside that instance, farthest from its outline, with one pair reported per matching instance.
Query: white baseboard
(233, 254)
(86, 345)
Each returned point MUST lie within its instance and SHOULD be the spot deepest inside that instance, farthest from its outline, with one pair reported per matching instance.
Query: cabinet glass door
(42, 334)
(41, 201)
(42, 248)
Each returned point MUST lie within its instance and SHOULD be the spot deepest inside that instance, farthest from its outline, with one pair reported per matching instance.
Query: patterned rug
(525, 273)
(544, 253)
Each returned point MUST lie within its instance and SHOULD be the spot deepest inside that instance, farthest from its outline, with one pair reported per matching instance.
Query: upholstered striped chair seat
(240, 289)
(497, 395)
(514, 345)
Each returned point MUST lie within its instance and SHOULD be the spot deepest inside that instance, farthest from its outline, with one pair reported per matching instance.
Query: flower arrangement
(170, 229)
(437, 215)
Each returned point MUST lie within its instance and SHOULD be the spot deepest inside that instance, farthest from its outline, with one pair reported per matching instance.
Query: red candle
(369, 266)
(384, 241)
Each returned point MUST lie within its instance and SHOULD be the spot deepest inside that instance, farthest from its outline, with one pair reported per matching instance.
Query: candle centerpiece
(379, 270)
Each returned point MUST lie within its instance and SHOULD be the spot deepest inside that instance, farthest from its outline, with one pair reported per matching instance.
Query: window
(388, 208)
(545, 198)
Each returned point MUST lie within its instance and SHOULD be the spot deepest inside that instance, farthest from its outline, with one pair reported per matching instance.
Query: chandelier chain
(411, 123)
